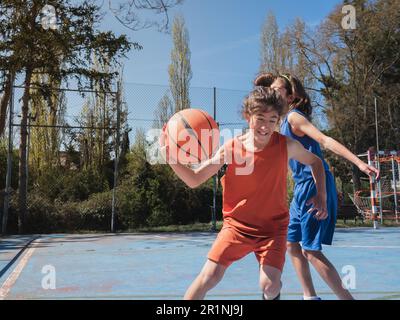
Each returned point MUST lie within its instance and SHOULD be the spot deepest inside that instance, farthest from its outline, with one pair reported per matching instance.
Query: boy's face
(263, 124)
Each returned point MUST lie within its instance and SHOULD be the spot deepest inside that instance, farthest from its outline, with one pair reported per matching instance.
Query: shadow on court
(162, 266)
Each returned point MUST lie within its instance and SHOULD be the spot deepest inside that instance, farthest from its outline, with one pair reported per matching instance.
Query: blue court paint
(162, 266)
(11, 248)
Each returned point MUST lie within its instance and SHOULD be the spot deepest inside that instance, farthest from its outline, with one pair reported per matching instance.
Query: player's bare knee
(311, 255)
(293, 249)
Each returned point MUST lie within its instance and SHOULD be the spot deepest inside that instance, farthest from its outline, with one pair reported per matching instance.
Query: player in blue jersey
(304, 227)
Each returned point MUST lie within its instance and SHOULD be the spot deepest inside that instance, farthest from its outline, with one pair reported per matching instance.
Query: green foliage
(96, 211)
(3, 165)
(47, 216)
(70, 185)
(152, 196)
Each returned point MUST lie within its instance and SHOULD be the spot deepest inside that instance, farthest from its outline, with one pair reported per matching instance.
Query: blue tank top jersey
(300, 171)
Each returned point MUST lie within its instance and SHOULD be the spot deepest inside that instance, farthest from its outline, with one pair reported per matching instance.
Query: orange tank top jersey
(256, 203)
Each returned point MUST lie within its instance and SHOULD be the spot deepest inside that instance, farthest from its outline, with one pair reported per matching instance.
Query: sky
(224, 40)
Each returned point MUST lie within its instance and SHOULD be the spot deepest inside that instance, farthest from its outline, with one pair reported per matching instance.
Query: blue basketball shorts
(303, 226)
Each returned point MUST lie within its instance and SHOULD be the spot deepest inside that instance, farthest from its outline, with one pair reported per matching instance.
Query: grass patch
(366, 223)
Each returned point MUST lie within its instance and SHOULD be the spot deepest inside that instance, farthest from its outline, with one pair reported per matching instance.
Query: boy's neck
(253, 145)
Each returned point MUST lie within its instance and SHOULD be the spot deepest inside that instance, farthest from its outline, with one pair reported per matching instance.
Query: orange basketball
(192, 136)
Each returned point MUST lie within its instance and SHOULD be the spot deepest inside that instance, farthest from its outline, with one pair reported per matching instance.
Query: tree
(99, 111)
(28, 48)
(128, 13)
(271, 56)
(8, 83)
(179, 70)
(350, 68)
(278, 50)
(163, 112)
(279, 53)
(48, 106)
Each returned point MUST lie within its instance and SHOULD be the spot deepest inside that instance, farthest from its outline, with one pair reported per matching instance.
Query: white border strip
(12, 278)
(361, 246)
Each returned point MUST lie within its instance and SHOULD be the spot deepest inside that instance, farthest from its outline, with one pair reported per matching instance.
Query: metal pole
(9, 160)
(398, 169)
(377, 159)
(116, 157)
(214, 222)
(395, 189)
(27, 152)
(372, 184)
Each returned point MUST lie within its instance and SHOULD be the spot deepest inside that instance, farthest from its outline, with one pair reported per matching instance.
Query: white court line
(372, 247)
(178, 239)
(189, 239)
(334, 246)
(12, 278)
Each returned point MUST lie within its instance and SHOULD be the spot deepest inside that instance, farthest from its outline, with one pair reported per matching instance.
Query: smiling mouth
(264, 134)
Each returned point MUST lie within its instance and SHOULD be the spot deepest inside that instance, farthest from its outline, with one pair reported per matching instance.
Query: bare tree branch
(127, 13)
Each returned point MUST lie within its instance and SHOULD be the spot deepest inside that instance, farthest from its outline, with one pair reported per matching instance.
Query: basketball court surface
(160, 266)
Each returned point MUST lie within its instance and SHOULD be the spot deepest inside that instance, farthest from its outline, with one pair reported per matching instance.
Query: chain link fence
(73, 140)
(70, 153)
(145, 101)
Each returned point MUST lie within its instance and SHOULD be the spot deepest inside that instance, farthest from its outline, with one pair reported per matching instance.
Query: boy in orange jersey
(254, 195)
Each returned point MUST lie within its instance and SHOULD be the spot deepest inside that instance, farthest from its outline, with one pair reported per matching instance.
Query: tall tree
(48, 106)
(163, 112)
(351, 68)
(179, 70)
(61, 45)
(278, 50)
(270, 45)
(279, 53)
(98, 116)
(8, 82)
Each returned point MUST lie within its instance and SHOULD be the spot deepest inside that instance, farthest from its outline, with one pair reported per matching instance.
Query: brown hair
(293, 86)
(264, 79)
(263, 99)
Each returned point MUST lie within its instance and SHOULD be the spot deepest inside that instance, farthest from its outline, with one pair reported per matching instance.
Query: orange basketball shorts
(231, 245)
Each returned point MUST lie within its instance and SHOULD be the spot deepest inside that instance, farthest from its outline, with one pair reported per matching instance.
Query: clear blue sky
(225, 53)
(224, 39)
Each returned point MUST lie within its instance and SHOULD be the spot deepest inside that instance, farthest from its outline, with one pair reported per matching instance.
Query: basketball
(192, 136)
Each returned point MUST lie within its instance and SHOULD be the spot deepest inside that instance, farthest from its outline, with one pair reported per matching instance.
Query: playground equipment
(382, 201)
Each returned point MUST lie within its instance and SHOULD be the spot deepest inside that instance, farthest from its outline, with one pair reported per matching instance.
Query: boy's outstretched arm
(297, 152)
(194, 177)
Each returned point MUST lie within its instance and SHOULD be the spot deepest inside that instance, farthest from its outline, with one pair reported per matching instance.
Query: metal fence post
(118, 98)
(396, 209)
(373, 190)
(214, 222)
(377, 158)
(9, 160)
